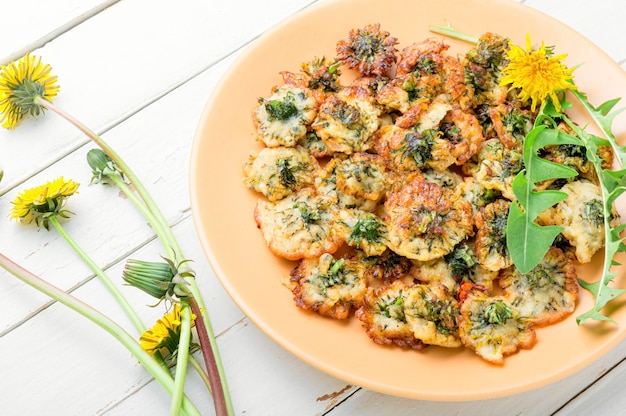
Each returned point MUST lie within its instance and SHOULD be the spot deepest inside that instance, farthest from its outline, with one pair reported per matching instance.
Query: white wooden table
(140, 72)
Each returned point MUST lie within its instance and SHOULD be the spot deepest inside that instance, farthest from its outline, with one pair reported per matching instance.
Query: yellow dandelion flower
(537, 74)
(22, 82)
(164, 336)
(41, 203)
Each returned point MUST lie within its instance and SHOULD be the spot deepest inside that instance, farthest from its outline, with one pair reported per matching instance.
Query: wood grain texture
(29, 25)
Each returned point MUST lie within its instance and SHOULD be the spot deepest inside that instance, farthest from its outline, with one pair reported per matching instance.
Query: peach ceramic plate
(223, 208)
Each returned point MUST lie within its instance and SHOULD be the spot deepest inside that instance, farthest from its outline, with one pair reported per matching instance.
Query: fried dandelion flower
(41, 203)
(22, 84)
(368, 50)
(537, 74)
(164, 336)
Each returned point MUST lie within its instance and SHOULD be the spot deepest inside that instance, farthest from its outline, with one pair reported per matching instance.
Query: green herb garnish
(281, 109)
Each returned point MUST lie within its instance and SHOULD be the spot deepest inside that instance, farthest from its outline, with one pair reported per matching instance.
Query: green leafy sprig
(527, 241)
(612, 184)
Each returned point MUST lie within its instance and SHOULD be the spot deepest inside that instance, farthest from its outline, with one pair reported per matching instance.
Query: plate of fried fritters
(355, 209)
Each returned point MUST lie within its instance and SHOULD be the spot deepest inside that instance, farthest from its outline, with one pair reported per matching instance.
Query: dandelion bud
(98, 160)
(101, 165)
(154, 278)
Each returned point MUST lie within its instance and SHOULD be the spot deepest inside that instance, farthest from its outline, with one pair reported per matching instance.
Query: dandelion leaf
(603, 295)
(527, 242)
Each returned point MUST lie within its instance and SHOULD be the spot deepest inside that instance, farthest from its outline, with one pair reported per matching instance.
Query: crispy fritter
(319, 75)
(302, 225)
(495, 167)
(387, 267)
(278, 171)
(384, 318)
(452, 270)
(368, 50)
(447, 179)
(511, 124)
(425, 71)
(483, 68)
(282, 118)
(364, 231)
(420, 110)
(408, 150)
(424, 57)
(314, 145)
(347, 120)
(425, 221)
(331, 287)
(435, 272)
(546, 294)
(465, 267)
(432, 312)
(491, 248)
(582, 215)
(362, 175)
(476, 194)
(492, 327)
(393, 97)
(464, 132)
(326, 184)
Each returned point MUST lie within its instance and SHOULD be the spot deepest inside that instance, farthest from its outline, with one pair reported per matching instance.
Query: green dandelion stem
(207, 337)
(208, 343)
(168, 236)
(148, 361)
(201, 372)
(158, 227)
(452, 33)
(182, 359)
(119, 297)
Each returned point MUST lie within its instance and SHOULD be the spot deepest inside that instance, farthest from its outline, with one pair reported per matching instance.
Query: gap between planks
(57, 32)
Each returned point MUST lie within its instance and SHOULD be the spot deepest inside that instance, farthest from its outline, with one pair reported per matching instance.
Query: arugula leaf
(527, 241)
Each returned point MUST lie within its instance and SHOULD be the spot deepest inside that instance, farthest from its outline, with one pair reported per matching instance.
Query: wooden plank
(542, 401)
(28, 26)
(174, 134)
(604, 397)
(265, 380)
(68, 352)
(114, 228)
(108, 70)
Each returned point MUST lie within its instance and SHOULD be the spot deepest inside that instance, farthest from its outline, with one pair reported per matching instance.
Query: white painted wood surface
(140, 71)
